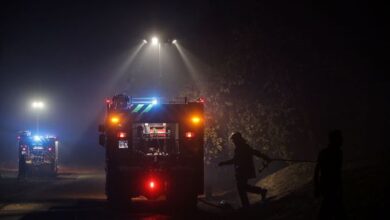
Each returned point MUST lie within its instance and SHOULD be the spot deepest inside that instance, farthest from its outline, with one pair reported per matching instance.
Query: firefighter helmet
(235, 136)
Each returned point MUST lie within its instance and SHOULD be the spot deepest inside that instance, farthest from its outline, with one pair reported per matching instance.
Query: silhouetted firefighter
(22, 167)
(244, 167)
(327, 178)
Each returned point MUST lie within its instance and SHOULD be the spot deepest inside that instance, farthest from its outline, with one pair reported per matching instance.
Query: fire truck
(154, 149)
(37, 154)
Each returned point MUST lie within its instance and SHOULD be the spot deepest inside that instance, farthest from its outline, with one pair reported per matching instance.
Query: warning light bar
(158, 100)
(147, 100)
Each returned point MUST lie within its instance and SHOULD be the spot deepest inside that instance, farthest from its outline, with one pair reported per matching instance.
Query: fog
(74, 55)
(74, 98)
(73, 61)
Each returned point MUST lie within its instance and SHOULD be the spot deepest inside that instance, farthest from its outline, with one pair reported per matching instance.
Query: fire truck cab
(154, 149)
(37, 154)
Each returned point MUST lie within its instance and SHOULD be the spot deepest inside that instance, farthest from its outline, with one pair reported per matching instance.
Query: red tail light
(152, 185)
(190, 134)
(122, 134)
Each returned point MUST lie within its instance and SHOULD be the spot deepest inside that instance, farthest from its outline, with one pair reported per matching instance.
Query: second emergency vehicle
(37, 154)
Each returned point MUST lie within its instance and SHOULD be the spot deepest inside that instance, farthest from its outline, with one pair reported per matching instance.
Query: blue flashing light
(37, 138)
(146, 100)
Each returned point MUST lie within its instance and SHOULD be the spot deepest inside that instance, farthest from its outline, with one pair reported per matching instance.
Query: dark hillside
(291, 193)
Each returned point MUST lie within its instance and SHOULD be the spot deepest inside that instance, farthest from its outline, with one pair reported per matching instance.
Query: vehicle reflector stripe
(150, 106)
(139, 106)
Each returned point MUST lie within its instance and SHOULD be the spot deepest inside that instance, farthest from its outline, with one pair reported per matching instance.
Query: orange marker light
(195, 120)
(114, 120)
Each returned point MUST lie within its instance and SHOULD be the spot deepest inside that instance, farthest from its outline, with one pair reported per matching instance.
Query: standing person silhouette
(22, 167)
(327, 178)
(244, 167)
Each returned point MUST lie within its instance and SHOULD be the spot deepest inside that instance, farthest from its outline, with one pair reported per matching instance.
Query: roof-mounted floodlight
(38, 105)
(155, 41)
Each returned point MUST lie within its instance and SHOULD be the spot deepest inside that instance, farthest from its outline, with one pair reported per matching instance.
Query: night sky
(66, 53)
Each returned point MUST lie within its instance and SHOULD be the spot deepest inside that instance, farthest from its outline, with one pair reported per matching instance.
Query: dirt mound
(286, 180)
(291, 192)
